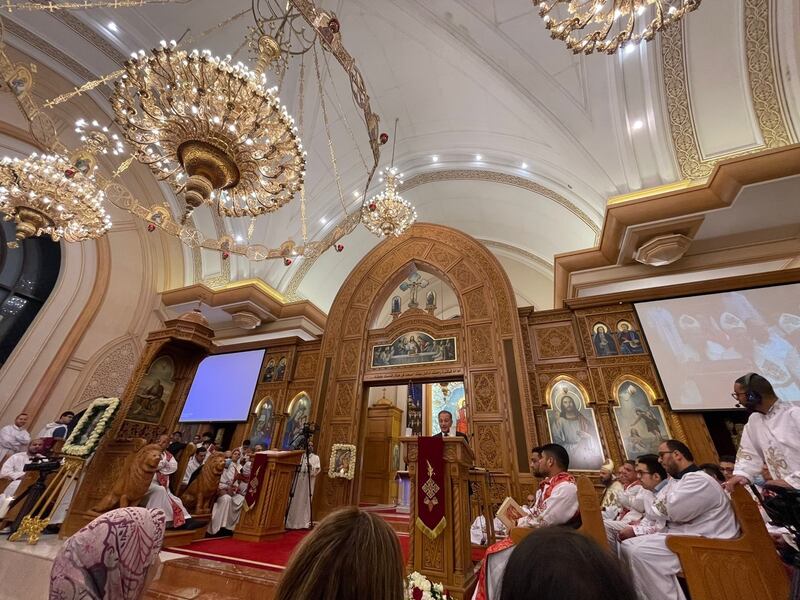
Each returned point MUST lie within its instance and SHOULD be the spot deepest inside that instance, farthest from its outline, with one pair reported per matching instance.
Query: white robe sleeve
(692, 498)
(12, 468)
(315, 465)
(748, 458)
(560, 507)
(168, 464)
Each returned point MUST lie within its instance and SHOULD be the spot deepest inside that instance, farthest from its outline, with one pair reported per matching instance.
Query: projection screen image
(701, 344)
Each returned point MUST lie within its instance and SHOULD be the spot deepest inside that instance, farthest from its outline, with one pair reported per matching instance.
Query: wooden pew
(591, 517)
(744, 567)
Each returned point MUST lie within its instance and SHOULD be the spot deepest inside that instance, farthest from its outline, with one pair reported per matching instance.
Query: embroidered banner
(430, 486)
(257, 472)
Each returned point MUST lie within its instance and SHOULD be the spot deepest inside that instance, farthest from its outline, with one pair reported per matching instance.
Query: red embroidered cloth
(430, 486)
(257, 472)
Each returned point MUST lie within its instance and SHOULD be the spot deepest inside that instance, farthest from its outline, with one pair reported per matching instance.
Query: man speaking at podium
(446, 424)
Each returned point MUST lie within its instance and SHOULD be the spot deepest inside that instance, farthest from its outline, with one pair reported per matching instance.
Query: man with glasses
(771, 436)
(693, 504)
(655, 481)
(631, 502)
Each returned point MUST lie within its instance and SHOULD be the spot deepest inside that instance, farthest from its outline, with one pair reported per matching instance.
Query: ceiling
(470, 78)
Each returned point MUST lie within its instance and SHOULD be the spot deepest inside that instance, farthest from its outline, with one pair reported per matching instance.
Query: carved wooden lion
(133, 481)
(201, 492)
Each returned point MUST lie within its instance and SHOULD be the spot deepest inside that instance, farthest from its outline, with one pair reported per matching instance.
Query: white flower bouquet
(84, 439)
(420, 588)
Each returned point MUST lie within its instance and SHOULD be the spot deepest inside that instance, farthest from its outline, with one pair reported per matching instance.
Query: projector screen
(701, 344)
(223, 387)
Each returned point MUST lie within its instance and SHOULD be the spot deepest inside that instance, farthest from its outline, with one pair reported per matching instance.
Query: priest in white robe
(228, 505)
(13, 467)
(771, 435)
(695, 504)
(194, 463)
(14, 438)
(159, 495)
(299, 516)
(556, 503)
(629, 505)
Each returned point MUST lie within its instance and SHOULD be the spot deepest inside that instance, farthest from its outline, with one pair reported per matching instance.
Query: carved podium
(272, 474)
(446, 558)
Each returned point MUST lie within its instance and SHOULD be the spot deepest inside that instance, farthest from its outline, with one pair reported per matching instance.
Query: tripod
(303, 437)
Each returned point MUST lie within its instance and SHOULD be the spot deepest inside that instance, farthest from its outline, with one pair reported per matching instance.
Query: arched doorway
(488, 355)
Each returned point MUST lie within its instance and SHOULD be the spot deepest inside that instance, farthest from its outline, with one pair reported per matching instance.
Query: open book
(510, 512)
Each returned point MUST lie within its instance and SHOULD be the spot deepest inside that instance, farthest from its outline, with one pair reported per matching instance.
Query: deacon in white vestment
(198, 458)
(158, 494)
(771, 435)
(694, 504)
(299, 516)
(228, 505)
(13, 467)
(14, 438)
(556, 503)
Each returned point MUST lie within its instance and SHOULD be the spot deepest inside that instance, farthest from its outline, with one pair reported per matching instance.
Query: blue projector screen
(223, 387)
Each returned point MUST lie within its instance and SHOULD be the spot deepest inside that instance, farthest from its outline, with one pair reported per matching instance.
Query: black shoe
(52, 529)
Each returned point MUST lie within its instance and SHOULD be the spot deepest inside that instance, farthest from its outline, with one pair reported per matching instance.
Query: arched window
(27, 276)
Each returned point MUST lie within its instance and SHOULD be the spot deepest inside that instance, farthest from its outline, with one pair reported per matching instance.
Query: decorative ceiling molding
(48, 49)
(291, 291)
(530, 256)
(766, 102)
(761, 72)
(501, 178)
(90, 35)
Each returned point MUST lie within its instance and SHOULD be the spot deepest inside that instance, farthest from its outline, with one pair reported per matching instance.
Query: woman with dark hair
(350, 555)
(556, 563)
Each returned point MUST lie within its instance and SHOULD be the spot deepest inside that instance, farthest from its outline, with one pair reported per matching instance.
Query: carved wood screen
(489, 355)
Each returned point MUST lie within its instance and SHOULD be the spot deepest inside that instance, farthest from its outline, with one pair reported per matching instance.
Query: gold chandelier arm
(89, 85)
(50, 6)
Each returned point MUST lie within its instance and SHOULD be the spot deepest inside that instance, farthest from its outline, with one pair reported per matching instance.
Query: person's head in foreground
(350, 555)
(110, 558)
(556, 563)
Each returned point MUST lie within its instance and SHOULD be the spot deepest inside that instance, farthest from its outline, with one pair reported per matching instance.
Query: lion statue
(201, 492)
(133, 481)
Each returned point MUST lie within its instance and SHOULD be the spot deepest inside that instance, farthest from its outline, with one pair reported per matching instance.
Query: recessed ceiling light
(435, 158)
(630, 48)
(524, 165)
(638, 124)
(239, 238)
(112, 26)
(356, 194)
(478, 157)
(323, 220)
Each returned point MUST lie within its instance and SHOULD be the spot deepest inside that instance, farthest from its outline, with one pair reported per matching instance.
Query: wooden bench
(591, 517)
(745, 567)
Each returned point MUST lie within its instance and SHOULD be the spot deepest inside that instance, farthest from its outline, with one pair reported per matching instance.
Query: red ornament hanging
(339, 247)
(373, 206)
(151, 227)
(334, 25)
(226, 255)
(384, 138)
(287, 261)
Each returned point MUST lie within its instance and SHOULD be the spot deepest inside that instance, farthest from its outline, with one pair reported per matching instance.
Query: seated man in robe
(194, 463)
(14, 438)
(625, 511)
(626, 476)
(612, 484)
(159, 496)
(653, 478)
(13, 467)
(693, 504)
(556, 503)
(228, 505)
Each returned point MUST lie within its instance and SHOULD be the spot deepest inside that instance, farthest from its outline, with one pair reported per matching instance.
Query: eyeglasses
(642, 473)
(735, 395)
(660, 454)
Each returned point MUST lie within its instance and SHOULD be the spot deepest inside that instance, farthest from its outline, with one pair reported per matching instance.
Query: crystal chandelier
(210, 128)
(606, 25)
(50, 194)
(387, 213)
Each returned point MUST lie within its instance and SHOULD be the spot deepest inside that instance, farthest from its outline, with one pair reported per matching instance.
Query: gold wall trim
(762, 74)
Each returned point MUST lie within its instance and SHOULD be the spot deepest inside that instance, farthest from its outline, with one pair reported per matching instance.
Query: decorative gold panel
(481, 345)
(484, 392)
(476, 306)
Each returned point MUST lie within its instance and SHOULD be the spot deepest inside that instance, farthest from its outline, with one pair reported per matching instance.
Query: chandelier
(210, 128)
(387, 213)
(606, 25)
(50, 194)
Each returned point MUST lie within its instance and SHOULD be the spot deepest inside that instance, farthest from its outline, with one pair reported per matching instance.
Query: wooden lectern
(448, 557)
(266, 518)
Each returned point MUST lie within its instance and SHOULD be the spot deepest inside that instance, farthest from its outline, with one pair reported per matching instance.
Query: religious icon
(430, 300)
(263, 426)
(572, 425)
(603, 341)
(84, 163)
(280, 370)
(343, 461)
(20, 81)
(154, 390)
(628, 338)
(641, 425)
(299, 414)
(414, 283)
(396, 305)
(269, 372)
(449, 397)
(415, 347)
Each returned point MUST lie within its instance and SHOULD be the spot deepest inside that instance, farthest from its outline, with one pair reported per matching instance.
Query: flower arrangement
(93, 424)
(420, 588)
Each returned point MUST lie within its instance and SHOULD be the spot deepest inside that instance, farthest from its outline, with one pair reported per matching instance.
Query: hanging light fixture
(605, 25)
(387, 213)
(56, 195)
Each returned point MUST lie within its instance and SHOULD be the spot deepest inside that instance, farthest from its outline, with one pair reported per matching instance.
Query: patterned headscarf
(110, 557)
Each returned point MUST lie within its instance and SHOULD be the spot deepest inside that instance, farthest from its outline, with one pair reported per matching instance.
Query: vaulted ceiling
(503, 133)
